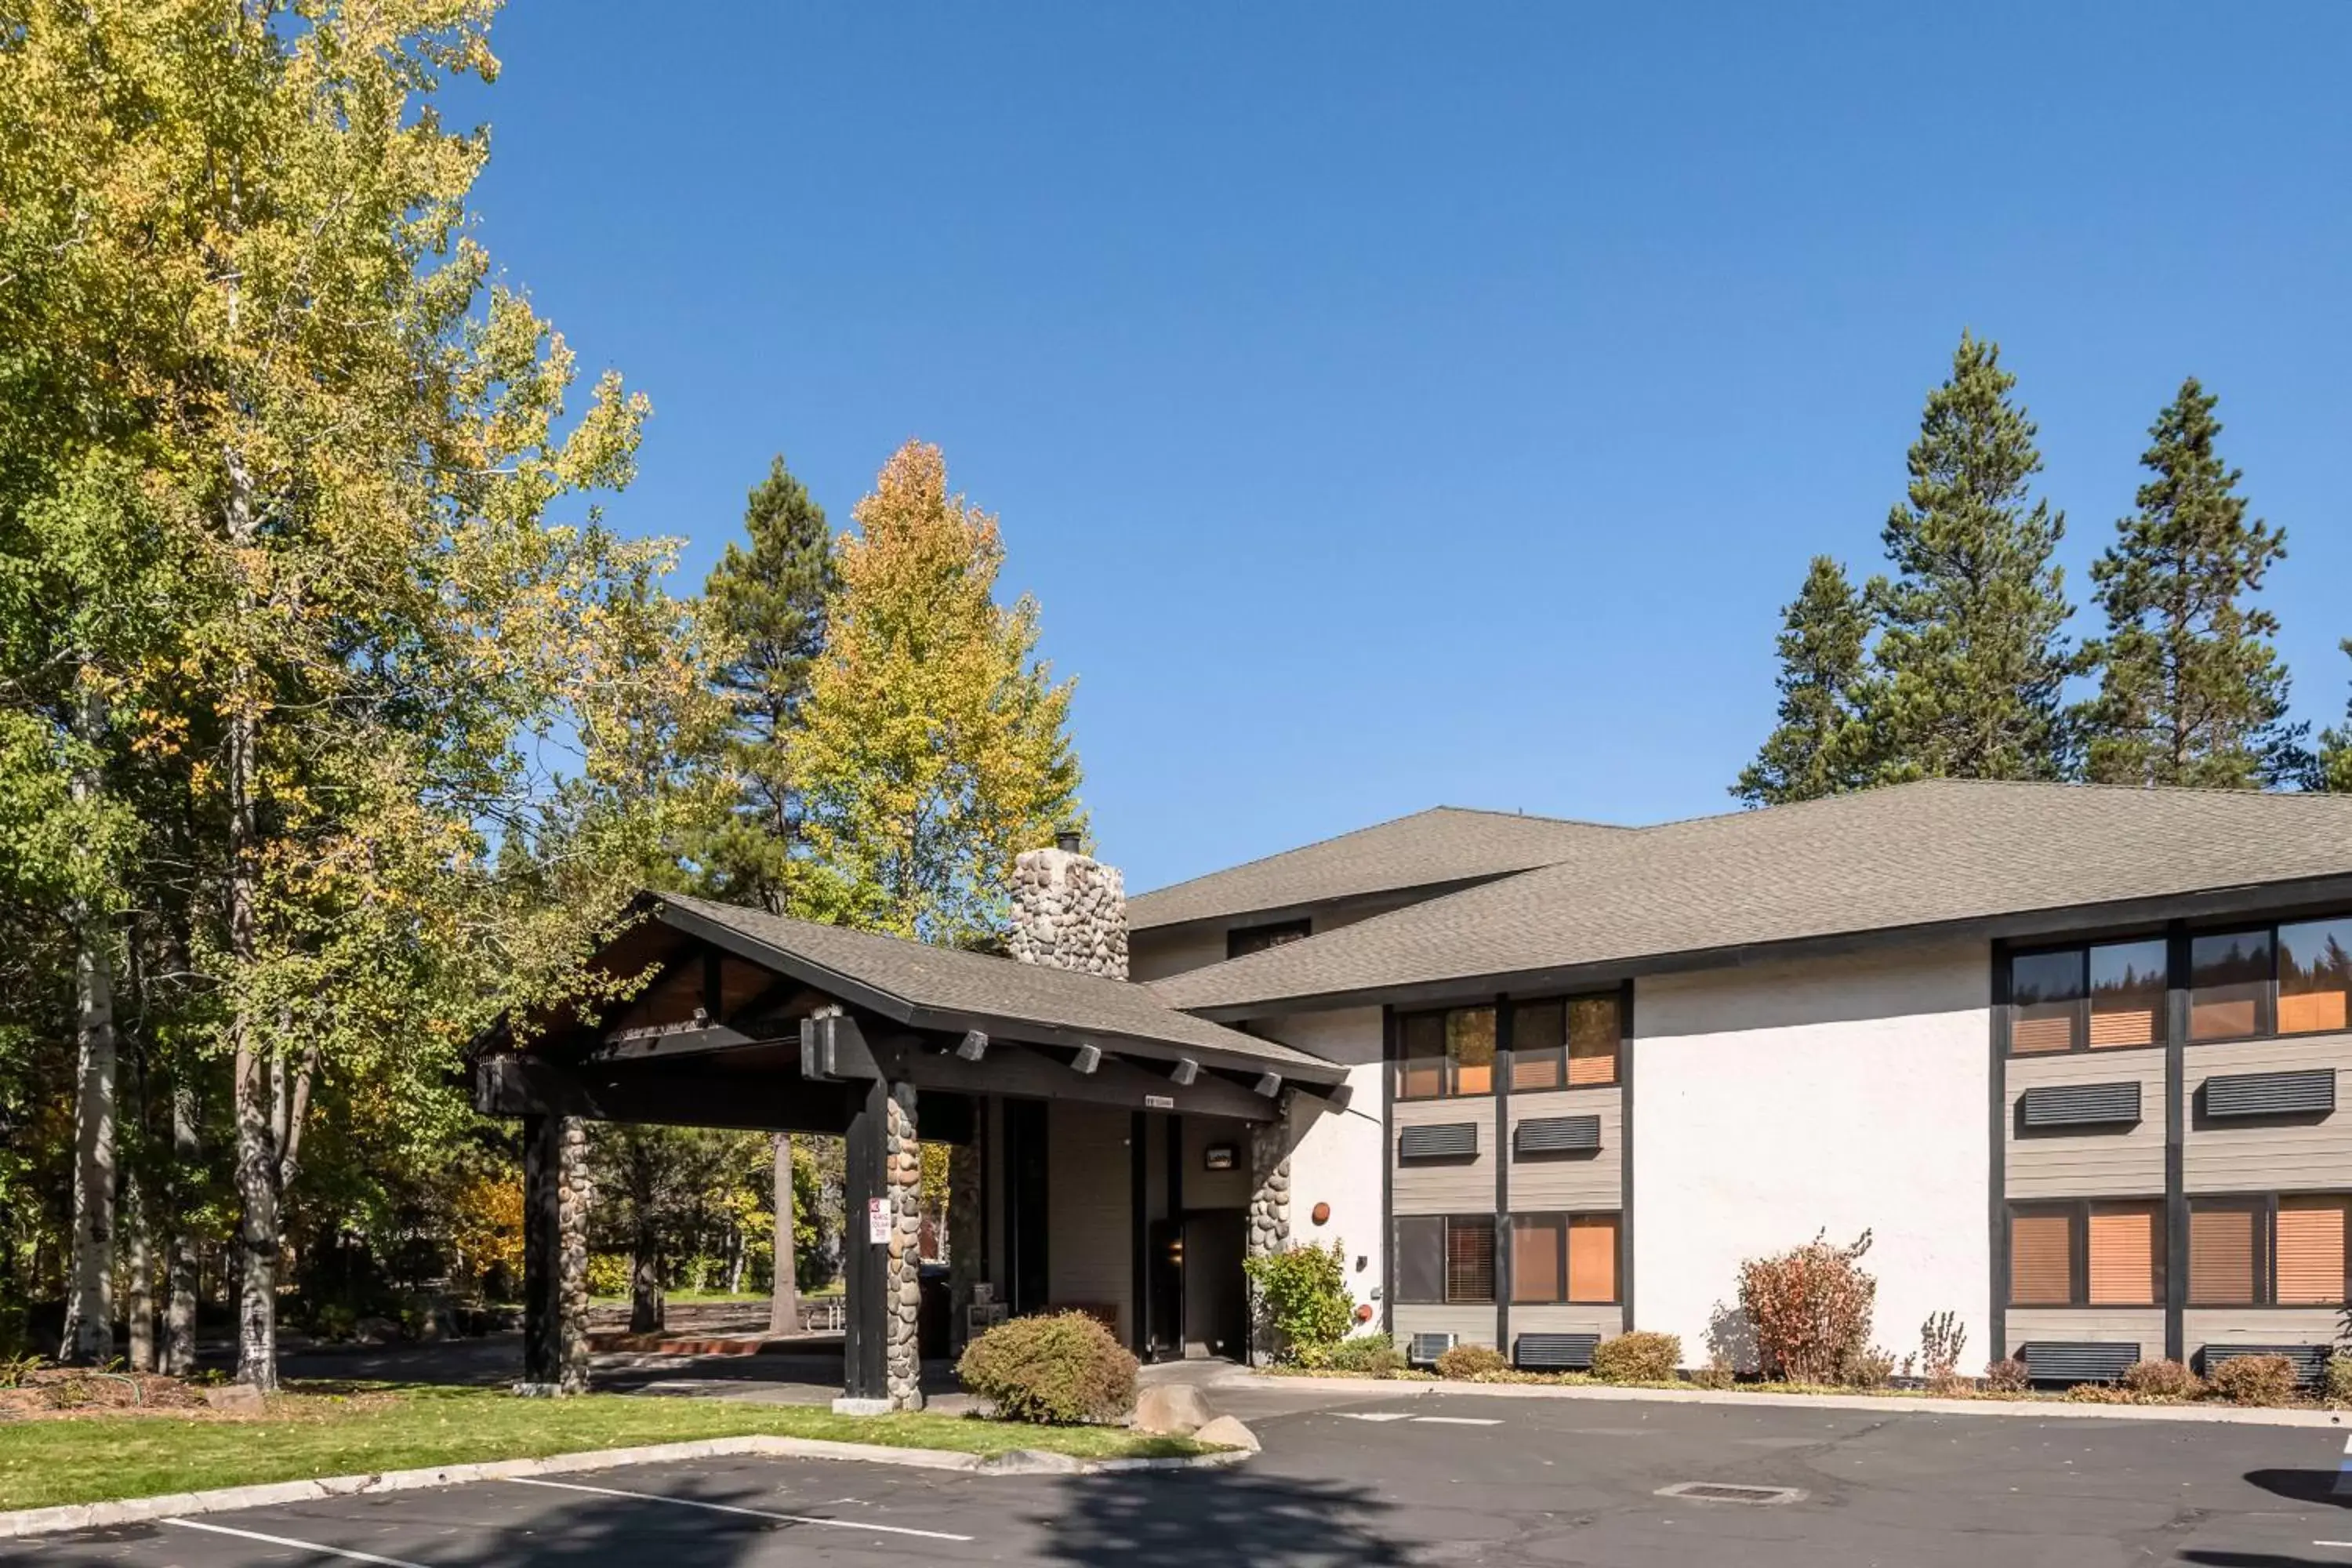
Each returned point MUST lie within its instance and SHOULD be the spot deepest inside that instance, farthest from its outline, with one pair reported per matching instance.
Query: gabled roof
(1938, 853)
(938, 988)
(1444, 845)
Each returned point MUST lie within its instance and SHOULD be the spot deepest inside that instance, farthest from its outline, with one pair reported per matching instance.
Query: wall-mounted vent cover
(1439, 1140)
(2077, 1361)
(2079, 1104)
(1556, 1351)
(1556, 1134)
(1422, 1349)
(2310, 1361)
(2271, 1093)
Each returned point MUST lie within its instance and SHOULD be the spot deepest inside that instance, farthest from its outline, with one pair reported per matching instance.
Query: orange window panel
(2310, 1011)
(1536, 1260)
(2220, 1256)
(2127, 1255)
(2040, 1260)
(1592, 1258)
(1592, 1030)
(2032, 1032)
(2123, 1026)
(2311, 1251)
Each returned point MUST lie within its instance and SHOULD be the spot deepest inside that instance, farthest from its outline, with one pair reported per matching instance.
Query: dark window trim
(2270, 997)
(1566, 1217)
(2078, 1254)
(1615, 994)
(1446, 1222)
(1238, 943)
(2182, 934)
(2081, 1043)
(1445, 1064)
(2267, 1209)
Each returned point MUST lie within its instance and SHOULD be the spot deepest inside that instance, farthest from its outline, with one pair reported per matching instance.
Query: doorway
(1216, 1310)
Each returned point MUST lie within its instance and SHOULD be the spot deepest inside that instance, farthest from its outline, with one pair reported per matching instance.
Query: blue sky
(1402, 405)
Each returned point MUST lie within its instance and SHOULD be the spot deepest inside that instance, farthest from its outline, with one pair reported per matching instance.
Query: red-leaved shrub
(1810, 1310)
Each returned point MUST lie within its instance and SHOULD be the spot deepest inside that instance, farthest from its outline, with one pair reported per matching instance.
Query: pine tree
(1818, 748)
(1971, 658)
(2332, 768)
(768, 599)
(933, 748)
(2191, 689)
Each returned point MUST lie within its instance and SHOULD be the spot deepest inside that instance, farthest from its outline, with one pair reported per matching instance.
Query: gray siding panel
(2142, 1326)
(1445, 1186)
(2227, 1154)
(1545, 1183)
(2086, 1161)
(1469, 1325)
(1606, 1321)
(2203, 1326)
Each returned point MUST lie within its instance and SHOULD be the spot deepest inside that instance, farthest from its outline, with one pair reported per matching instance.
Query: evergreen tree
(2191, 689)
(1818, 748)
(1971, 658)
(767, 599)
(2332, 768)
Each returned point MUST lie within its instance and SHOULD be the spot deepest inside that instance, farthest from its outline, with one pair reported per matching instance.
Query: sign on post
(877, 1221)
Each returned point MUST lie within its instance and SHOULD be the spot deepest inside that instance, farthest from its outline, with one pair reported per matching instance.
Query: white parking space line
(313, 1546)
(730, 1508)
(1457, 1420)
(1374, 1414)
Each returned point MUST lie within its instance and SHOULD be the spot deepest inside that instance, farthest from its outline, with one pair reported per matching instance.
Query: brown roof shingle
(1446, 843)
(1906, 855)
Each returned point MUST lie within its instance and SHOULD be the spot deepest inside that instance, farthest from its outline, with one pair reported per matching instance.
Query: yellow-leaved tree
(935, 746)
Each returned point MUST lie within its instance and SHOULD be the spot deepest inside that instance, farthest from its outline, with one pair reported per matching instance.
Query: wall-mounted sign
(1218, 1157)
(1159, 1102)
(877, 1221)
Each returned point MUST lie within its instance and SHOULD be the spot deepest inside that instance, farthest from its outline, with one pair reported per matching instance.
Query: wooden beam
(1036, 1074)
(668, 1040)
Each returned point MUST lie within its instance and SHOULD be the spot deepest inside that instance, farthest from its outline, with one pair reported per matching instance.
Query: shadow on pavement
(2302, 1486)
(2211, 1559)
(1206, 1516)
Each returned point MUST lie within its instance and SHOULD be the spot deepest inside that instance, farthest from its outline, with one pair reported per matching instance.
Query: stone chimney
(1069, 911)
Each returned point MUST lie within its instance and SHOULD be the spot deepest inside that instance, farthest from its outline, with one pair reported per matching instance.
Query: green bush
(608, 1274)
(1366, 1355)
(2254, 1380)
(2161, 1381)
(1303, 1292)
(1061, 1368)
(2337, 1383)
(1468, 1362)
(1639, 1357)
(2007, 1375)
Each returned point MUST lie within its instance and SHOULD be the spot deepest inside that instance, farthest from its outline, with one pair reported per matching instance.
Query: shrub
(2337, 1382)
(1871, 1369)
(1470, 1361)
(1303, 1294)
(1716, 1374)
(2254, 1380)
(1062, 1367)
(1638, 1357)
(1810, 1309)
(608, 1274)
(1366, 1355)
(2007, 1375)
(2161, 1380)
(2099, 1393)
(1942, 1339)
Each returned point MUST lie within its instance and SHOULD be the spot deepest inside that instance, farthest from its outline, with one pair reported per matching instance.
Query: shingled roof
(927, 986)
(1443, 846)
(1910, 856)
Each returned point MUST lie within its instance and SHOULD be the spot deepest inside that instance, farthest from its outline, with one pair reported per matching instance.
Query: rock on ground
(1227, 1433)
(1171, 1410)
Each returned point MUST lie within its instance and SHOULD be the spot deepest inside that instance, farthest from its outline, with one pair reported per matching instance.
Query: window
(2229, 984)
(1564, 1258)
(1564, 1045)
(1242, 940)
(1445, 1258)
(2315, 976)
(2097, 997)
(1443, 1055)
(2099, 1254)
(2265, 1252)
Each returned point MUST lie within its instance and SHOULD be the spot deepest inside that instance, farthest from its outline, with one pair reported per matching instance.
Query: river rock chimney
(1069, 911)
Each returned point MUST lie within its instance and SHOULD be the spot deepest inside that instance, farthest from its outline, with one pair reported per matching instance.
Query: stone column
(556, 1197)
(1069, 911)
(578, 1195)
(1269, 1216)
(902, 1286)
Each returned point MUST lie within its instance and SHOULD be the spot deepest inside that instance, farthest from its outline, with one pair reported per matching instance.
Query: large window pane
(1470, 1048)
(2045, 992)
(1592, 1035)
(1538, 1258)
(2041, 1257)
(1421, 1258)
(2221, 1252)
(2311, 1251)
(1593, 1258)
(1469, 1260)
(2127, 994)
(2315, 976)
(2229, 983)
(2126, 1244)
(1538, 1030)
(1420, 1073)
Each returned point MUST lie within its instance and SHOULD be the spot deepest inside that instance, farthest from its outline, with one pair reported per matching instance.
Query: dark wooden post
(867, 1325)
(542, 1251)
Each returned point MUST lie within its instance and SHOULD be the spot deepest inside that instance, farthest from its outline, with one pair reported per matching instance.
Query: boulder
(1226, 1432)
(1171, 1410)
(1030, 1462)
(241, 1397)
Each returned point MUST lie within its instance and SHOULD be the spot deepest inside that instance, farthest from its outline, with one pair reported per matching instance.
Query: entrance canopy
(751, 1020)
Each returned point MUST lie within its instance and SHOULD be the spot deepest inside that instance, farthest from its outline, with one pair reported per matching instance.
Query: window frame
(2265, 1206)
(2267, 1008)
(2079, 1033)
(1276, 933)
(1447, 1065)
(1446, 1224)
(2078, 1250)
(1564, 1222)
(1560, 1054)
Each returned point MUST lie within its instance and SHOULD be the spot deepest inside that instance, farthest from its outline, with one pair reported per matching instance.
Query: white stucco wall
(1775, 1100)
(1337, 1158)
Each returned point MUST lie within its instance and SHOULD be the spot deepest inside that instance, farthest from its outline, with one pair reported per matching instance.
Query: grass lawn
(308, 1434)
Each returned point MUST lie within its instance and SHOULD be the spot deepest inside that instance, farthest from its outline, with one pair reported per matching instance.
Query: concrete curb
(2031, 1409)
(226, 1499)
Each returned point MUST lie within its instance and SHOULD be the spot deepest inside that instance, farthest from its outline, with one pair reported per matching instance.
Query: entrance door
(1216, 1311)
(1167, 1282)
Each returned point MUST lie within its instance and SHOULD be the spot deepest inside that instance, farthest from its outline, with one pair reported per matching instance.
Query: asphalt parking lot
(1434, 1479)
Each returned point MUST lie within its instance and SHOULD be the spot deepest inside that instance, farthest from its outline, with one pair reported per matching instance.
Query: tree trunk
(180, 1272)
(138, 1269)
(784, 1297)
(90, 1306)
(647, 1312)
